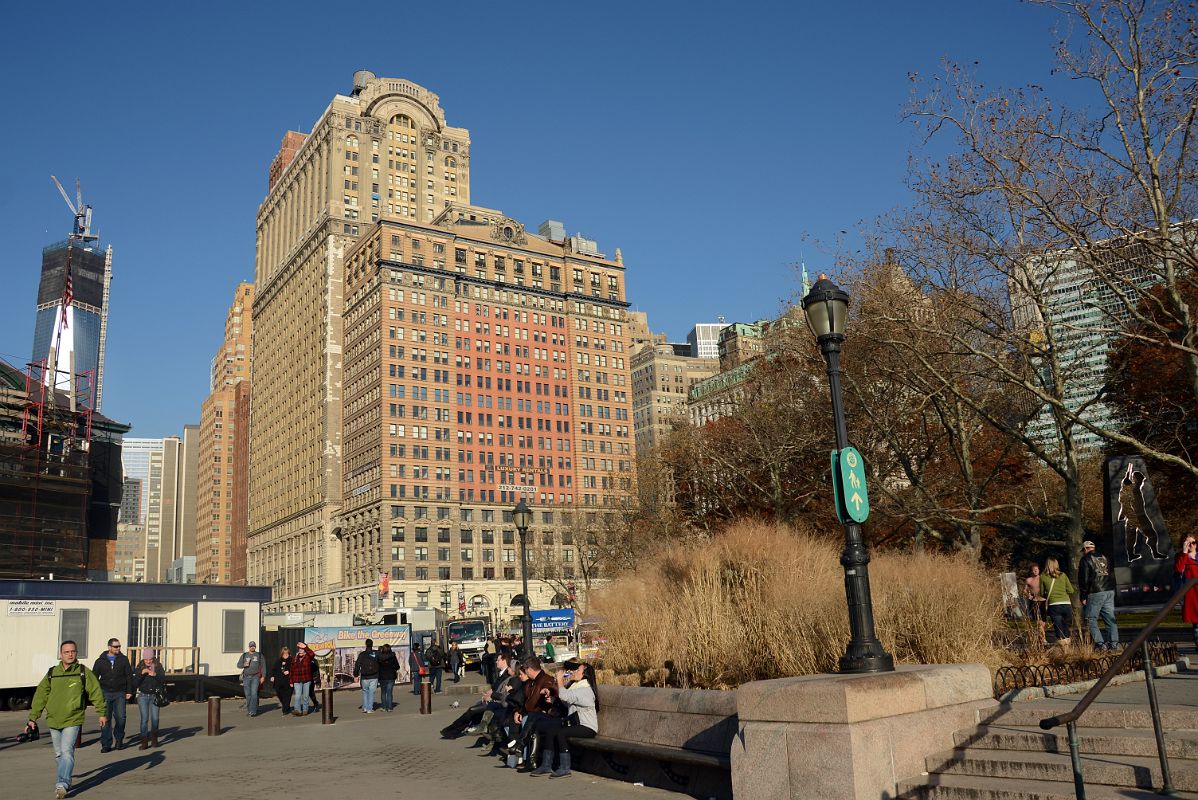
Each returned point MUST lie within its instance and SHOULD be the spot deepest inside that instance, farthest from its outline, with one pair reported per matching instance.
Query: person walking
(1037, 609)
(303, 670)
(1096, 582)
(1060, 609)
(388, 673)
(280, 679)
(455, 661)
(417, 667)
(150, 678)
(253, 675)
(366, 668)
(115, 674)
(60, 695)
(436, 659)
(1186, 567)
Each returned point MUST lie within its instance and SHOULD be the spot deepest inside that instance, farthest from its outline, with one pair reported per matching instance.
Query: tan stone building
(385, 154)
(662, 376)
(218, 558)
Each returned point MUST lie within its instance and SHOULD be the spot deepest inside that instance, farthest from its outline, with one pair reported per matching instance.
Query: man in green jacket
(61, 695)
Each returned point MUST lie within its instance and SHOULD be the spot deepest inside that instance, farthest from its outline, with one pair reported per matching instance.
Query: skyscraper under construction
(72, 307)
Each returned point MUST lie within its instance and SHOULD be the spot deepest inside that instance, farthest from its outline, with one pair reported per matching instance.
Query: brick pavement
(396, 755)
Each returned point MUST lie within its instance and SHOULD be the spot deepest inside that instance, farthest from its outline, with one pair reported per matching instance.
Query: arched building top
(385, 98)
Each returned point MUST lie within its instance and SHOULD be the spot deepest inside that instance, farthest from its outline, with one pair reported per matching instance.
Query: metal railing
(174, 660)
(1140, 643)
(1026, 676)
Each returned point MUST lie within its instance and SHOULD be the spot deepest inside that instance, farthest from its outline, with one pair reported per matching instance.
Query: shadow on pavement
(96, 777)
(168, 735)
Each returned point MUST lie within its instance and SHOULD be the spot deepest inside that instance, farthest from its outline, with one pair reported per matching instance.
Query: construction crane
(83, 213)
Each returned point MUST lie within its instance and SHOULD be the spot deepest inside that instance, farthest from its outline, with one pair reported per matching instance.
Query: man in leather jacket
(1096, 583)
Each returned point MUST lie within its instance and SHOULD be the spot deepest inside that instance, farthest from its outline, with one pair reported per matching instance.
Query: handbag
(161, 699)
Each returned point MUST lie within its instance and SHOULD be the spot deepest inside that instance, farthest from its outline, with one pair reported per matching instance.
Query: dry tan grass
(761, 601)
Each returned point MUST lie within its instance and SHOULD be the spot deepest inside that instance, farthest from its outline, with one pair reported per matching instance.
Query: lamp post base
(866, 662)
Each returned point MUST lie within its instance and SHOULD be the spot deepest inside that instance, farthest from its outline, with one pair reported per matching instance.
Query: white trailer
(197, 631)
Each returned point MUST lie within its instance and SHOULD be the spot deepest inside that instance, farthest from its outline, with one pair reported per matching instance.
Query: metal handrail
(1069, 718)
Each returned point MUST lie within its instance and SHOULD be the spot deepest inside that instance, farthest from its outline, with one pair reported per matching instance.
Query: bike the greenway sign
(848, 484)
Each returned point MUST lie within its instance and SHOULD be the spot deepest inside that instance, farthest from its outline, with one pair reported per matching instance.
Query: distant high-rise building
(158, 465)
(704, 339)
(662, 377)
(189, 488)
(71, 323)
(217, 553)
(1082, 298)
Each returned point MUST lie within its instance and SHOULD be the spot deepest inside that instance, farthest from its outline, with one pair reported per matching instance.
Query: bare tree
(1038, 201)
(941, 472)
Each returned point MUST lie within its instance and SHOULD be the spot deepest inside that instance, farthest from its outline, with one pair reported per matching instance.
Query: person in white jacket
(576, 687)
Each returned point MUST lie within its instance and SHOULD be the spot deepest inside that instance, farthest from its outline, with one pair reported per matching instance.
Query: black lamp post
(522, 517)
(827, 310)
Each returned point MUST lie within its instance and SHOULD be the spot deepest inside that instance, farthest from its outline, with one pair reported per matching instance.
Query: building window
(72, 625)
(233, 631)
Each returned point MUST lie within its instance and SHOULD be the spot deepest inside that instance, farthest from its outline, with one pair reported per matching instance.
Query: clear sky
(711, 142)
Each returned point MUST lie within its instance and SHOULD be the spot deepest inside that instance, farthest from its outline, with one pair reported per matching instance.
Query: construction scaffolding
(45, 473)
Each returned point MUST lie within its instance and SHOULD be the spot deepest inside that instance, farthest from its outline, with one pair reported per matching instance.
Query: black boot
(534, 750)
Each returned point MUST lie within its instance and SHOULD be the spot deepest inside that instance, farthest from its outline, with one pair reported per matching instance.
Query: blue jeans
(149, 713)
(64, 752)
(1102, 603)
(301, 701)
(387, 688)
(434, 677)
(368, 687)
(1061, 615)
(114, 726)
(250, 685)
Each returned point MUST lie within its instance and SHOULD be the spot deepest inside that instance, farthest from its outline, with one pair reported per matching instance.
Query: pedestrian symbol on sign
(848, 482)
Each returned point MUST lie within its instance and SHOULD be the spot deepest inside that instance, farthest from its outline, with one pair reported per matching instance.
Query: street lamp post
(522, 516)
(827, 310)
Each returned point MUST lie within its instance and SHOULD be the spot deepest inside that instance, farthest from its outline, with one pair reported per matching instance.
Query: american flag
(67, 296)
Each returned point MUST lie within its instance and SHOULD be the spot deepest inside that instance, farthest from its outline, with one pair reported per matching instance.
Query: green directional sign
(848, 482)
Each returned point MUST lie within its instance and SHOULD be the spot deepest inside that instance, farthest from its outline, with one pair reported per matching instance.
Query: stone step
(1092, 741)
(1110, 770)
(974, 787)
(1099, 715)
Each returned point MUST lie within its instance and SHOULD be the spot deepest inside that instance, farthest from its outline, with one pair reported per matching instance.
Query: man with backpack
(1096, 580)
(63, 695)
(367, 669)
(437, 658)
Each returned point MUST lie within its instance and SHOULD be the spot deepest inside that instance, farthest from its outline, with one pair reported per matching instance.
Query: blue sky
(712, 143)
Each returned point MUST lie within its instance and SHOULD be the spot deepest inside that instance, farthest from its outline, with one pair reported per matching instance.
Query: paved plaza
(379, 755)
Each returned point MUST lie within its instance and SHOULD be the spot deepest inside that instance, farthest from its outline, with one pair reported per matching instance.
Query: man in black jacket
(115, 674)
(366, 668)
(436, 658)
(1096, 582)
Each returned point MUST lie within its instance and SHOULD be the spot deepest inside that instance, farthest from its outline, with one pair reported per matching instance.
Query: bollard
(326, 706)
(426, 697)
(214, 716)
